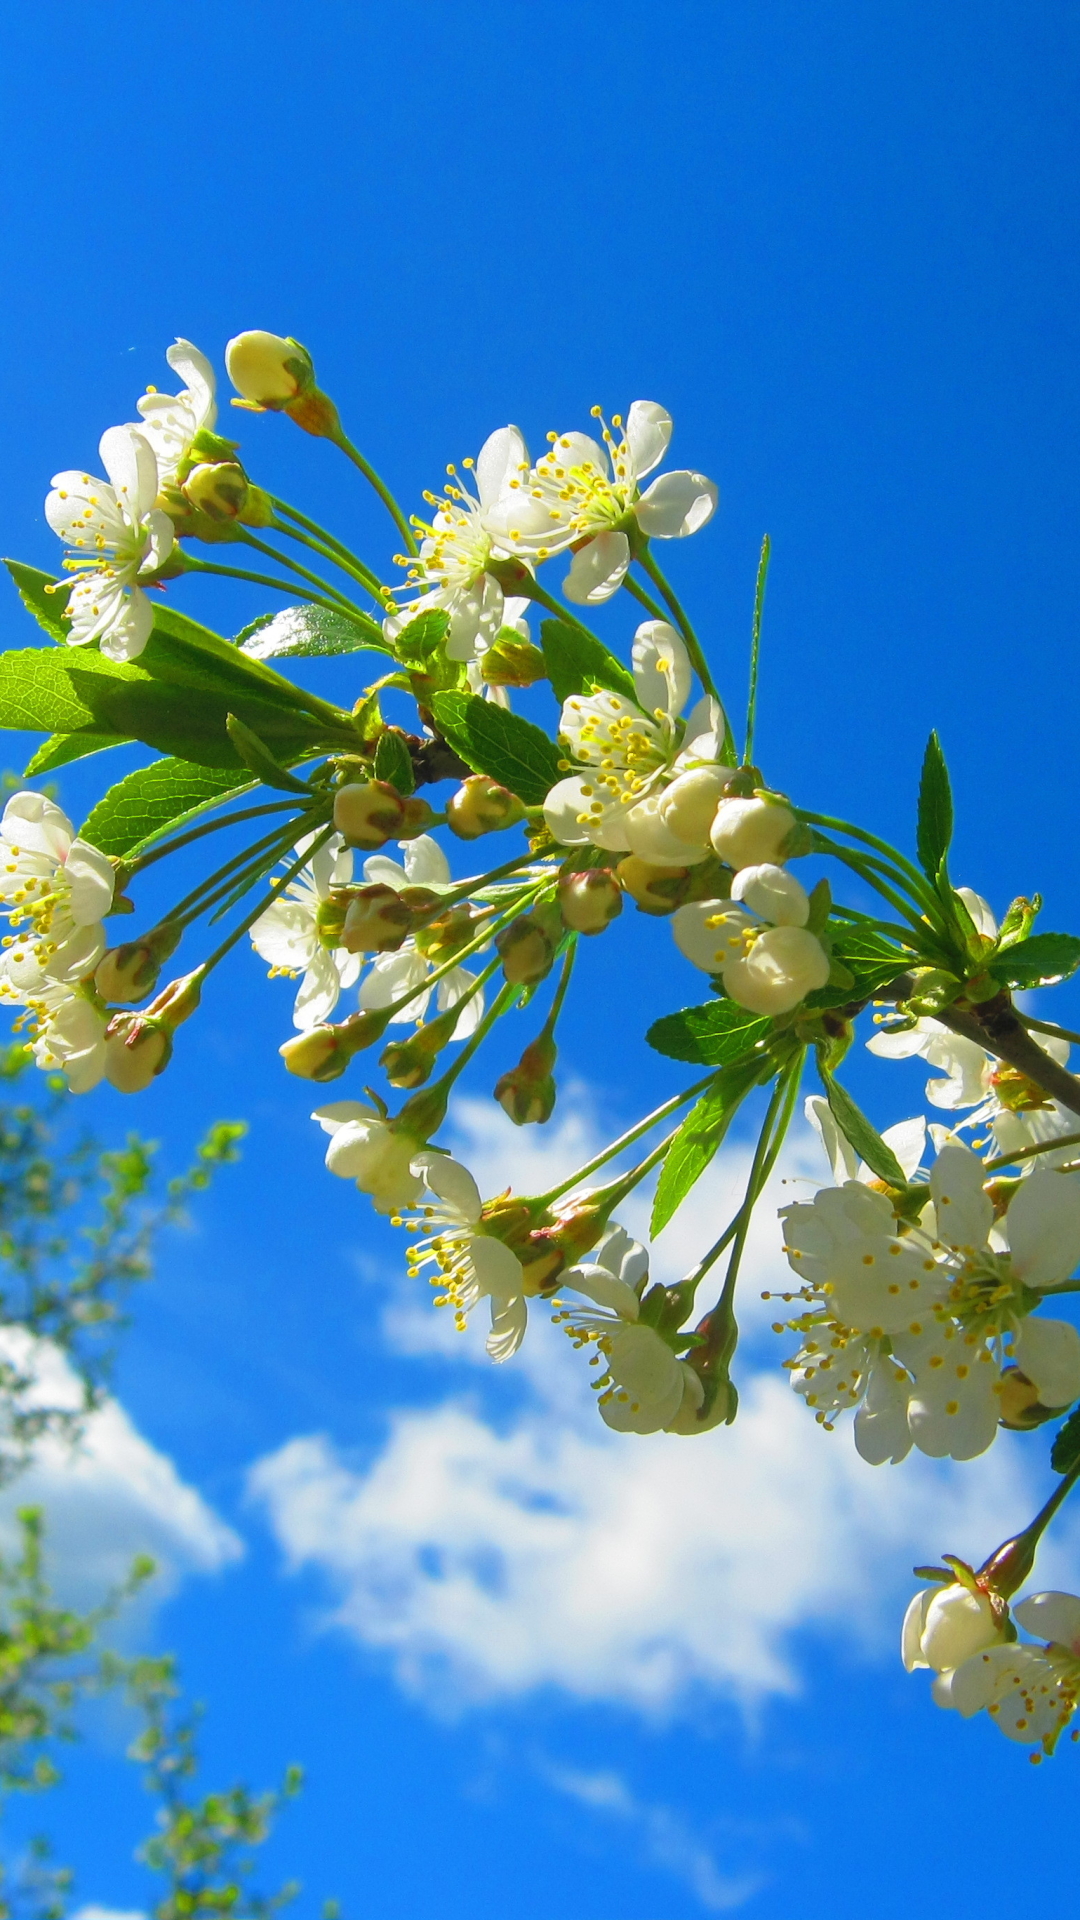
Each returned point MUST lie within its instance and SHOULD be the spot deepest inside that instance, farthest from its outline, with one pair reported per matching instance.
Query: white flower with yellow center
(581, 494)
(450, 570)
(406, 971)
(643, 1387)
(117, 538)
(632, 753)
(1017, 1113)
(1030, 1692)
(949, 1303)
(170, 421)
(471, 1265)
(301, 933)
(366, 1147)
(56, 888)
(767, 959)
(64, 1028)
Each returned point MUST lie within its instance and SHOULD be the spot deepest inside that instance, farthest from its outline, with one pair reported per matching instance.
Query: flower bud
(651, 839)
(746, 833)
(444, 937)
(324, 1052)
(130, 972)
(774, 893)
(1020, 1408)
(653, 889)
(407, 1063)
(512, 661)
(219, 490)
(955, 1624)
(267, 370)
(527, 949)
(376, 921)
(136, 1051)
(688, 806)
(369, 814)
(527, 1092)
(480, 805)
(589, 901)
(176, 1002)
(781, 968)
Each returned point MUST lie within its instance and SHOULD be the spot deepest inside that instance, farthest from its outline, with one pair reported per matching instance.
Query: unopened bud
(589, 901)
(136, 1051)
(424, 1114)
(267, 370)
(653, 889)
(131, 971)
(446, 936)
(369, 814)
(748, 833)
(376, 921)
(407, 1063)
(526, 1093)
(527, 949)
(324, 1052)
(512, 661)
(219, 490)
(688, 807)
(481, 805)
(176, 1002)
(1020, 1408)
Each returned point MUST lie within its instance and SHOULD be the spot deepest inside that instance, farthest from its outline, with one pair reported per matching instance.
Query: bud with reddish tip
(653, 889)
(324, 1052)
(218, 489)
(136, 1051)
(589, 901)
(367, 814)
(441, 939)
(130, 972)
(376, 920)
(527, 948)
(527, 1092)
(481, 805)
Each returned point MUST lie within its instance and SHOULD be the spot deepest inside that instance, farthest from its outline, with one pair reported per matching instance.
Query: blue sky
(838, 243)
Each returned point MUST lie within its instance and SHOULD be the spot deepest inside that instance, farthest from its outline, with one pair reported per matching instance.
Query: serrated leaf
(1065, 1451)
(1037, 962)
(578, 663)
(709, 1036)
(38, 694)
(423, 637)
(859, 1132)
(61, 748)
(393, 762)
(306, 632)
(146, 804)
(935, 826)
(871, 961)
(256, 757)
(492, 740)
(47, 608)
(700, 1135)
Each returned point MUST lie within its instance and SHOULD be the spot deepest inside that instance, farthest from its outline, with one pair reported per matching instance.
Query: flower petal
(129, 461)
(964, 1211)
(499, 461)
(662, 672)
(1043, 1225)
(509, 1319)
(454, 1184)
(598, 569)
(320, 990)
(648, 434)
(1048, 1351)
(1051, 1616)
(675, 505)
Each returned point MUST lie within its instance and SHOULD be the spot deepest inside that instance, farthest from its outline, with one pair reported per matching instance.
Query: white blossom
(169, 422)
(117, 538)
(297, 935)
(945, 1625)
(471, 1264)
(630, 749)
(768, 968)
(1015, 1111)
(56, 888)
(406, 970)
(642, 1385)
(66, 1030)
(450, 570)
(1030, 1692)
(581, 494)
(367, 1148)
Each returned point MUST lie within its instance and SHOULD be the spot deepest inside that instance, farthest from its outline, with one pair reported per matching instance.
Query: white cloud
(487, 1554)
(663, 1837)
(110, 1497)
(92, 1912)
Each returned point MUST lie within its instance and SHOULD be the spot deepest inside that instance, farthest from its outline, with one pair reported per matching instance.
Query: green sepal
(393, 762)
(1065, 1451)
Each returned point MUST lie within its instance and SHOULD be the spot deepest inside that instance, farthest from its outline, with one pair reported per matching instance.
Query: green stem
(560, 992)
(336, 558)
(191, 565)
(1048, 1026)
(643, 599)
(341, 439)
(267, 901)
(476, 1040)
(697, 1274)
(918, 882)
(755, 650)
(321, 533)
(723, 1329)
(145, 860)
(1028, 1153)
(219, 882)
(303, 573)
(693, 645)
(867, 869)
(627, 1139)
(530, 589)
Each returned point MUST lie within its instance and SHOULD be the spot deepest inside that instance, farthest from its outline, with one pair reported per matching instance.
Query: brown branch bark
(996, 1025)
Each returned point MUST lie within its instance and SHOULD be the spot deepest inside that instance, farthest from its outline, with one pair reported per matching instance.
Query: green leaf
(1065, 1451)
(1037, 962)
(859, 1133)
(257, 758)
(423, 638)
(871, 961)
(61, 748)
(700, 1135)
(393, 762)
(710, 1036)
(37, 692)
(47, 608)
(301, 632)
(935, 826)
(146, 804)
(577, 663)
(501, 744)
